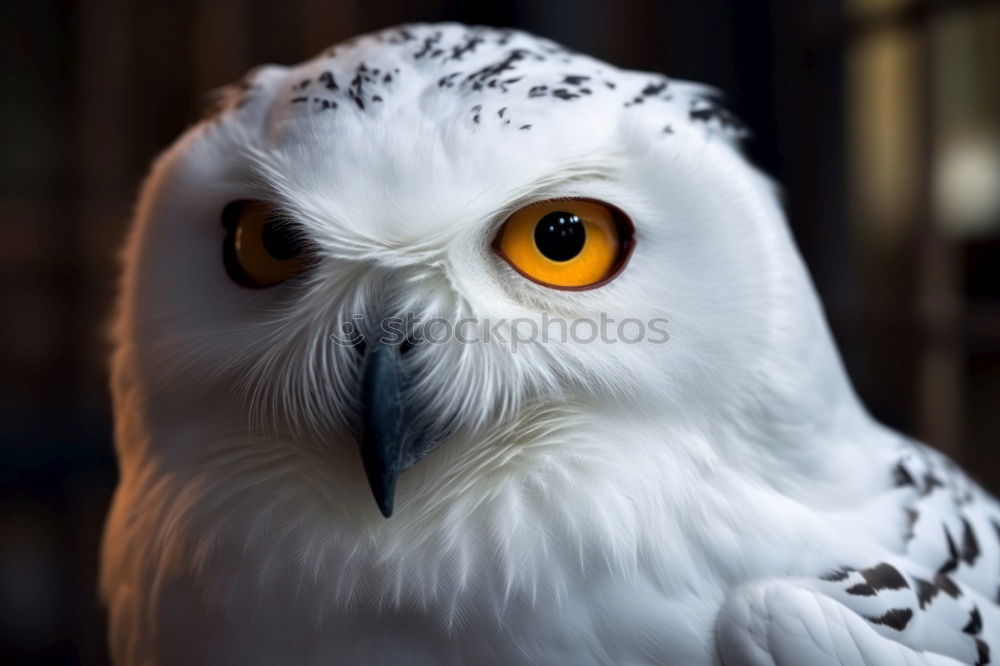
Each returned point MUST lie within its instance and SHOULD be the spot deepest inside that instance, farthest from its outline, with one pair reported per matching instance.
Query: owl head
(474, 253)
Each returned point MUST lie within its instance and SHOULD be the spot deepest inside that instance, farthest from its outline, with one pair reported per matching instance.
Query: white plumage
(722, 497)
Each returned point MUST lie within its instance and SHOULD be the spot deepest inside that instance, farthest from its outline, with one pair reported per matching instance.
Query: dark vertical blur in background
(879, 117)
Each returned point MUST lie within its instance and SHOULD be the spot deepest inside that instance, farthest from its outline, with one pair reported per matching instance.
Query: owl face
(449, 242)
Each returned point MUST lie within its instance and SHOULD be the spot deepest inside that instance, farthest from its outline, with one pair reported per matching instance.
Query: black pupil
(280, 240)
(560, 236)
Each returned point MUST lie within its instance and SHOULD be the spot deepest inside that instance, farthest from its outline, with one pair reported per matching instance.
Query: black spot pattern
(975, 624)
(654, 89)
(862, 590)
(364, 73)
(429, 46)
(901, 476)
(942, 536)
(952, 562)
(884, 577)
(471, 42)
(926, 592)
(448, 81)
(362, 77)
(912, 515)
(329, 81)
(880, 577)
(970, 545)
(947, 585)
(895, 618)
(493, 72)
(931, 482)
(983, 652)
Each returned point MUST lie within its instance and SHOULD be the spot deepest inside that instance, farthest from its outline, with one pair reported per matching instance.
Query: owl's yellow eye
(572, 244)
(261, 248)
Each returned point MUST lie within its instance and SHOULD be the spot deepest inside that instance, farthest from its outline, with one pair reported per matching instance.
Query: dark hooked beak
(392, 439)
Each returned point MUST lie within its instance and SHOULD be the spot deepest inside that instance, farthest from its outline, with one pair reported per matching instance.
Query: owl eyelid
(231, 212)
(626, 236)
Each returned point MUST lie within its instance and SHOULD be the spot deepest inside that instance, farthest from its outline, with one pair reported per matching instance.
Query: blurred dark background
(881, 118)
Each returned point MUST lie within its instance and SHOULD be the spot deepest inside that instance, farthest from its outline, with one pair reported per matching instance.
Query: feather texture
(723, 493)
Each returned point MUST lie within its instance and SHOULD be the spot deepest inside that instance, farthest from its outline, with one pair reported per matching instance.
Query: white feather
(598, 503)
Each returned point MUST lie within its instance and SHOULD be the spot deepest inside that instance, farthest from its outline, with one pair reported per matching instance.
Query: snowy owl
(697, 484)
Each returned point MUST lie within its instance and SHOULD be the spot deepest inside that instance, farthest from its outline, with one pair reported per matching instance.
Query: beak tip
(383, 488)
